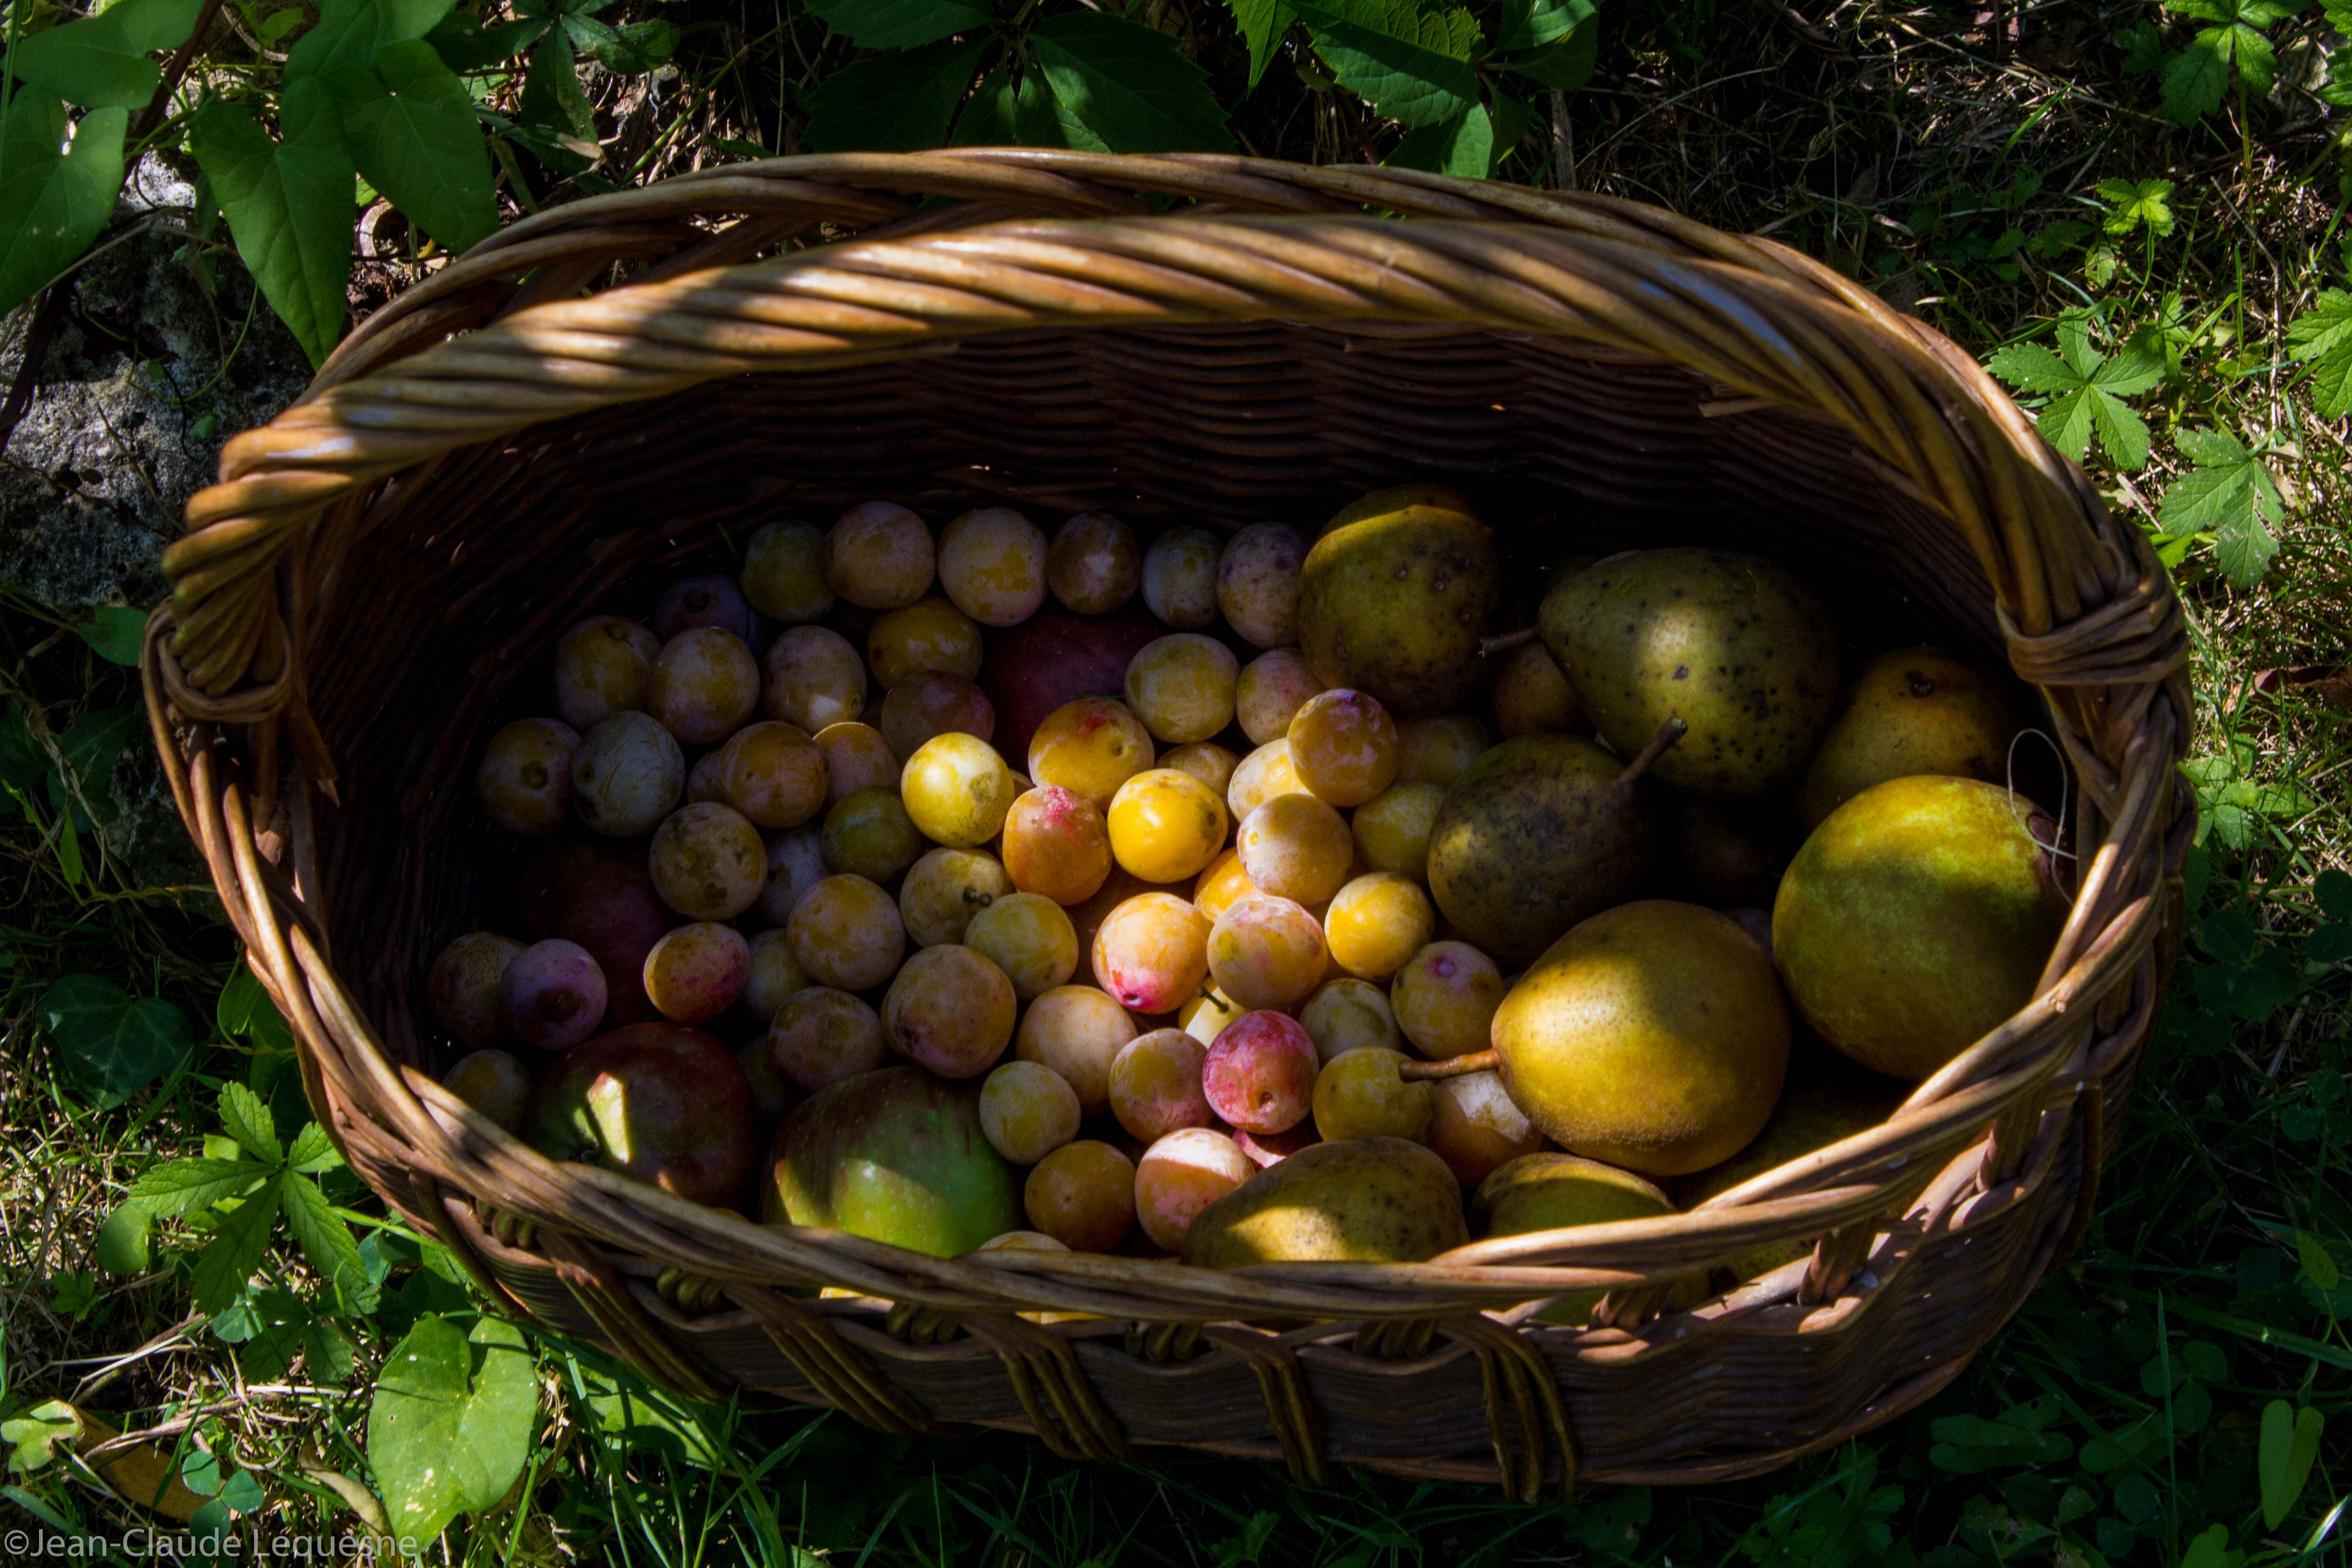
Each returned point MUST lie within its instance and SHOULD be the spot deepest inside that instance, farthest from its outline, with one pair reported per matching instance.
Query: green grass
(2121, 1419)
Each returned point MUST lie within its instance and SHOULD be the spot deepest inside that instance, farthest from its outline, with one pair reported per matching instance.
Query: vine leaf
(451, 1422)
(1410, 64)
(901, 23)
(288, 204)
(1121, 87)
(54, 202)
(101, 61)
(2193, 83)
(899, 102)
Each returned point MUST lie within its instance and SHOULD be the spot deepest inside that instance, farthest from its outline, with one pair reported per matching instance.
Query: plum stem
(1452, 1066)
(1503, 642)
(1670, 732)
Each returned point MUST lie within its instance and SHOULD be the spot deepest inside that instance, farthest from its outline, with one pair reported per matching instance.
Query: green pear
(1395, 595)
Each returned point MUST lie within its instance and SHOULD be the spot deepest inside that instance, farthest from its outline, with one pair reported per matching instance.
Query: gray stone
(146, 836)
(146, 377)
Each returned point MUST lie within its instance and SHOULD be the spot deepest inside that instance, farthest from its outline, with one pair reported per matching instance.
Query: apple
(1055, 658)
(661, 1102)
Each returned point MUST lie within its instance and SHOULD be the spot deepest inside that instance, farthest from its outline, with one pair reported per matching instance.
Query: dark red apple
(661, 1102)
(1055, 658)
(601, 896)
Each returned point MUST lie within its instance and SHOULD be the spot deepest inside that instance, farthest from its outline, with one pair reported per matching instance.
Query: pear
(1724, 857)
(1539, 833)
(1395, 595)
(1913, 711)
(1653, 1036)
(1809, 1117)
(1553, 1191)
(1916, 918)
(1366, 1200)
(1733, 646)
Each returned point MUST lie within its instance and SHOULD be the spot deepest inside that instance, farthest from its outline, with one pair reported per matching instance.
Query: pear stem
(1670, 732)
(1503, 642)
(1452, 1066)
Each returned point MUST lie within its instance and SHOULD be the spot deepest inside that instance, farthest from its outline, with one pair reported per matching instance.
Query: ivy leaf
(901, 23)
(2193, 80)
(411, 128)
(110, 1044)
(220, 1271)
(1264, 25)
(2132, 202)
(2323, 336)
(2086, 389)
(1463, 146)
(53, 204)
(451, 1422)
(1121, 87)
(350, 33)
(892, 103)
(1532, 24)
(1410, 64)
(2230, 494)
(288, 204)
(101, 61)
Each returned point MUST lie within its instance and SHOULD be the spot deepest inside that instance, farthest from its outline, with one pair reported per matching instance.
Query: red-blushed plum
(603, 898)
(1260, 1074)
(710, 600)
(661, 1102)
(552, 994)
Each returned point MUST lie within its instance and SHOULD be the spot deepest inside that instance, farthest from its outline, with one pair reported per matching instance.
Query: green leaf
(1264, 25)
(90, 750)
(282, 1327)
(1531, 24)
(901, 23)
(1121, 87)
(122, 1247)
(246, 1120)
(633, 47)
(2086, 389)
(2131, 203)
(2323, 336)
(410, 126)
(2210, 1550)
(32, 1437)
(891, 103)
(1566, 64)
(219, 1273)
(101, 61)
(183, 1186)
(53, 204)
(350, 33)
(1465, 147)
(1410, 64)
(1009, 114)
(451, 1423)
(554, 101)
(2290, 1443)
(464, 44)
(246, 1011)
(110, 1044)
(2230, 494)
(2318, 1265)
(2192, 81)
(116, 632)
(288, 204)
(2029, 367)
(1970, 1445)
(326, 1241)
(313, 1151)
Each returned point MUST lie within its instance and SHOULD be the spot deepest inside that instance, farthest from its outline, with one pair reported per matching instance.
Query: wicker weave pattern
(1207, 360)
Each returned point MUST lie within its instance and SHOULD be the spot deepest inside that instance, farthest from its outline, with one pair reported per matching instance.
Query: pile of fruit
(1232, 930)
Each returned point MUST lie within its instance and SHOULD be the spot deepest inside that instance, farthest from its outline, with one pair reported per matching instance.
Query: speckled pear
(1394, 598)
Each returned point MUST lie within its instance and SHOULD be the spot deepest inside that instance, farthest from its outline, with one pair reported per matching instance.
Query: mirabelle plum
(1028, 937)
(525, 780)
(1531, 696)
(1377, 923)
(696, 971)
(494, 1083)
(822, 1035)
(707, 862)
(1477, 1129)
(1155, 1084)
(772, 774)
(1257, 583)
(1090, 747)
(1179, 577)
(1079, 1031)
(462, 987)
(880, 556)
(1265, 952)
(1093, 564)
(944, 889)
(856, 757)
(795, 864)
(1056, 844)
(1296, 847)
(1088, 919)
(993, 564)
(1360, 1094)
(712, 599)
(1222, 882)
(1027, 1112)
(1272, 690)
(812, 679)
(933, 702)
(1343, 746)
(1206, 1014)
(1444, 999)
(1262, 774)
(929, 634)
(1350, 1014)
(1204, 760)
(1181, 1174)
(868, 834)
(1083, 1195)
(602, 666)
(552, 994)
(846, 934)
(1181, 687)
(957, 790)
(775, 975)
(1391, 829)
(949, 1011)
(1260, 1072)
(1165, 825)
(1436, 751)
(783, 572)
(705, 683)
(1021, 1241)
(702, 780)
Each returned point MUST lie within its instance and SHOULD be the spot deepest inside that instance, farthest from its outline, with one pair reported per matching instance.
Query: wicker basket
(484, 460)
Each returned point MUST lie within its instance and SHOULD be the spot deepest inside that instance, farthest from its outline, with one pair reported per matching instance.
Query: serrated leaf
(2029, 367)
(1121, 87)
(1410, 64)
(289, 205)
(1264, 25)
(313, 1151)
(101, 61)
(1006, 113)
(2085, 388)
(2121, 430)
(1463, 147)
(2192, 81)
(115, 632)
(410, 126)
(54, 202)
(110, 1044)
(245, 1119)
(219, 1272)
(892, 103)
(2290, 1443)
(2131, 203)
(326, 1241)
(451, 1422)
(2230, 494)
(1532, 24)
(2323, 335)
(350, 33)
(901, 23)
(181, 1186)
